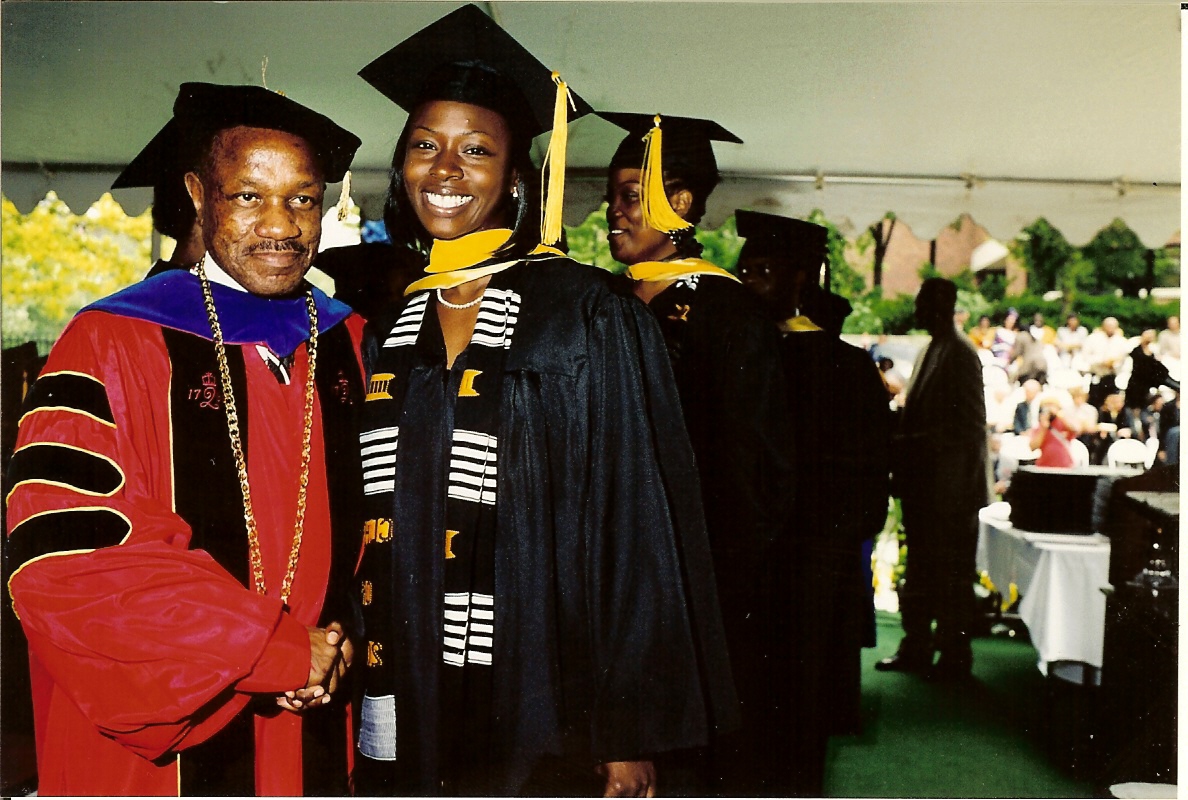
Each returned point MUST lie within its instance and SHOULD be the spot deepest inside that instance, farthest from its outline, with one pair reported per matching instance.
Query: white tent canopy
(1005, 111)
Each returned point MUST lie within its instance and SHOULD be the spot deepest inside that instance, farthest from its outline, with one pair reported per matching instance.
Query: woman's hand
(628, 778)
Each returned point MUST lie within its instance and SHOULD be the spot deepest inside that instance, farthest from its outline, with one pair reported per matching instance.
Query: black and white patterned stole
(465, 563)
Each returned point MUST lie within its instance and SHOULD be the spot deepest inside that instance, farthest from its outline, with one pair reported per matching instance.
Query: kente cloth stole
(677, 268)
(465, 606)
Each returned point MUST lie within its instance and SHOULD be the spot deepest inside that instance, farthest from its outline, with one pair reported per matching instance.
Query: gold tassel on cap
(657, 213)
(553, 202)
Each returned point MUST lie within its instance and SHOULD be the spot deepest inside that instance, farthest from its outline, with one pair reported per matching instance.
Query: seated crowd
(1062, 398)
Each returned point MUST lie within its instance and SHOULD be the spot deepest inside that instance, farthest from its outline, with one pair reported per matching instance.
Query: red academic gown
(139, 646)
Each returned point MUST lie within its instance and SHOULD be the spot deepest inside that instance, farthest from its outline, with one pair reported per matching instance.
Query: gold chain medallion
(249, 515)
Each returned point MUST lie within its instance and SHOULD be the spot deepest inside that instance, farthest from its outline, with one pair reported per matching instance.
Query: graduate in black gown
(726, 358)
(842, 439)
(536, 583)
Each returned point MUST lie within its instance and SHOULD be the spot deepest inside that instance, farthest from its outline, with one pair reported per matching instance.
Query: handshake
(330, 656)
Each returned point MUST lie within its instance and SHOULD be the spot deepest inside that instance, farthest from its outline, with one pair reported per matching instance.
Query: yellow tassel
(553, 202)
(344, 198)
(657, 212)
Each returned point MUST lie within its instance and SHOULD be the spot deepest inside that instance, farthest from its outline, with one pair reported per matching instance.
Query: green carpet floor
(985, 739)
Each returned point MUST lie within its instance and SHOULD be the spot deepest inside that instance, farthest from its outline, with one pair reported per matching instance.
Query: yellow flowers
(55, 262)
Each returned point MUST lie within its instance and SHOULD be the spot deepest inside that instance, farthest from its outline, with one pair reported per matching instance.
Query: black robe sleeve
(652, 582)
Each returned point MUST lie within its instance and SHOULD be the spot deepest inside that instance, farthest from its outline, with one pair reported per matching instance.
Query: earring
(515, 193)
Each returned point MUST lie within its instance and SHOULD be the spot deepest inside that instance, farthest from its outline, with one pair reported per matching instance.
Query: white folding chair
(1127, 453)
(1080, 453)
(1152, 450)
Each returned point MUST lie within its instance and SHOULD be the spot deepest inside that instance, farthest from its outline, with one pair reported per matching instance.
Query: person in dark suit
(1027, 412)
(942, 480)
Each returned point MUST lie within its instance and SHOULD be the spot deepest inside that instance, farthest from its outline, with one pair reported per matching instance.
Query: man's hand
(330, 655)
(628, 778)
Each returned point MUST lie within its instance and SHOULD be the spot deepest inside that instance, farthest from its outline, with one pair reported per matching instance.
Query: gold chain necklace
(249, 515)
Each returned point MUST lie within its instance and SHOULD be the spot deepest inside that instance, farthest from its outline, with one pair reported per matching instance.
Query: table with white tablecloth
(1060, 578)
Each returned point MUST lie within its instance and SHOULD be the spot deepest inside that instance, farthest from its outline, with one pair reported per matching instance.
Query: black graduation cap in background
(688, 141)
(162, 166)
(773, 236)
(406, 74)
(162, 159)
(207, 107)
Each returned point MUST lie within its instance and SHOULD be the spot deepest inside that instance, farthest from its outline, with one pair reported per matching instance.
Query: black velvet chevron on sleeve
(84, 471)
(74, 392)
(65, 531)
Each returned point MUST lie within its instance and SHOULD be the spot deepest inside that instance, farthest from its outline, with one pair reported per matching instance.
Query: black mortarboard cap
(209, 107)
(162, 166)
(772, 236)
(688, 141)
(161, 159)
(419, 69)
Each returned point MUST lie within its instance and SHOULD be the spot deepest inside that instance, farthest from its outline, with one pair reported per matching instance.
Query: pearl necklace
(459, 306)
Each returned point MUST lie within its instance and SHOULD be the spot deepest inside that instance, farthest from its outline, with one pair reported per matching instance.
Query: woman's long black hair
(474, 83)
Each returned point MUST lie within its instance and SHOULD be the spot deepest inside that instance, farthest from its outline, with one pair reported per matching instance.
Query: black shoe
(903, 663)
(951, 671)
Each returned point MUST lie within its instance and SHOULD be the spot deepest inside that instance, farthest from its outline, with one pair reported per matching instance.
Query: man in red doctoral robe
(181, 526)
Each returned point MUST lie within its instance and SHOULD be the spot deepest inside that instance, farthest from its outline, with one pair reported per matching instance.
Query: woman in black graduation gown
(535, 578)
(725, 355)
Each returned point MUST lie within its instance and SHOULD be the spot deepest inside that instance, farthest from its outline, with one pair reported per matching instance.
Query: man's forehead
(245, 136)
(237, 147)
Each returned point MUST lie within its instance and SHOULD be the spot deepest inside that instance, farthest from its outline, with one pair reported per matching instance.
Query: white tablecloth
(1060, 578)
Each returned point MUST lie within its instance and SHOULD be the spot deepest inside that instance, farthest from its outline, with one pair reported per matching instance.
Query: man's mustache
(278, 247)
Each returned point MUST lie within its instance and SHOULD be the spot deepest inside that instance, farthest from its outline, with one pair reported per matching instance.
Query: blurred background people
(1146, 373)
(1003, 346)
(1169, 339)
(982, 334)
(1041, 332)
(1027, 411)
(1029, 361)
(1103, 352)
(1114, 422)
(1070, 337)
(1051, 436)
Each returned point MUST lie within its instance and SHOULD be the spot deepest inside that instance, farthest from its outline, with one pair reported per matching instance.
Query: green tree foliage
(993, 286)
(843, 278)
(972, 301)
(863, 318)
(1167, 267)
(1045, 253)
(1077, 279)
(898, 314)
(55, 262)
(722, 246)
(1119, 259)
(589, 242)
(1134, 314)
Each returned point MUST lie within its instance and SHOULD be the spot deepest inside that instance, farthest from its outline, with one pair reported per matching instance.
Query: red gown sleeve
(156, 644)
